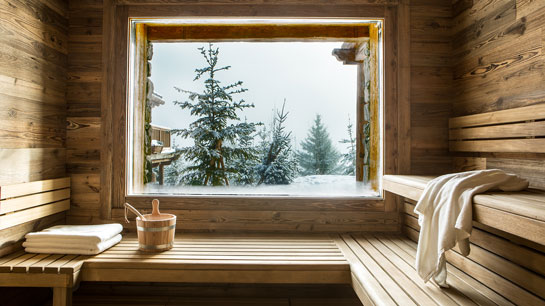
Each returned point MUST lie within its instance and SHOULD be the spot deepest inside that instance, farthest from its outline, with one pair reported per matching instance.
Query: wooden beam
(252, 32)
(106, 109)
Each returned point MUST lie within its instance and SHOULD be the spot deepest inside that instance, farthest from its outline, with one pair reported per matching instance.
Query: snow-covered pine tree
(246, 165)
(348, 159)
(318, 155)
(217, 130)
(278, 162)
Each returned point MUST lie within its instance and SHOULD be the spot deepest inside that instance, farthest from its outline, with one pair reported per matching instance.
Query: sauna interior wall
(426, 100)
(33, 72)
(499, 63)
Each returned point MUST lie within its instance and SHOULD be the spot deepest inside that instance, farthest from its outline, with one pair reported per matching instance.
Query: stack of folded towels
(74, 239)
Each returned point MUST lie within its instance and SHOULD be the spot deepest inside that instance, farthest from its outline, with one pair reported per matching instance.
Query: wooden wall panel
(430, 86)
(427, 73)
(33, 60)
(499, 63)
(33, 67)
(83, 142)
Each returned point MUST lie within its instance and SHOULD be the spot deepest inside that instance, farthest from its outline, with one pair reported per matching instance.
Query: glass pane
(272, 118)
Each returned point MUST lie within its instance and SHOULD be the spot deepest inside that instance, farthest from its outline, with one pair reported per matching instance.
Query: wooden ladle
(134, 210)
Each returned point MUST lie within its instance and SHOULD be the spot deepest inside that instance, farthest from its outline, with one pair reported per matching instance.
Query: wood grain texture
(113, 117)
(33, 71)
(430, 86)
(85, 158)
(498, 78)
(502, 265)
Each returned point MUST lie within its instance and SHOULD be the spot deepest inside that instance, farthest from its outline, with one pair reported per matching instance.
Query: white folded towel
(88, 234)
(445, 216)
(79, 248)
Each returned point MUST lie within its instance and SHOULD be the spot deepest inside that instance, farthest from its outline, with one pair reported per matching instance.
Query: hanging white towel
(80, 249)
(91, 234)
(445, 216)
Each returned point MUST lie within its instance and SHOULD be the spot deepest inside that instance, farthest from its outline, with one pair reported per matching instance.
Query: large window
(255, 107)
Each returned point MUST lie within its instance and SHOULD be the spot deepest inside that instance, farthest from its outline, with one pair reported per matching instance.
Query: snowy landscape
(221, 147)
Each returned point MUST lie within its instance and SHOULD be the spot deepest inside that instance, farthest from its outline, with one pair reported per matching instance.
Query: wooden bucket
(155, 230)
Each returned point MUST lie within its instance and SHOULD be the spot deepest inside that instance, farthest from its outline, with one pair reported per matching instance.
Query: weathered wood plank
(536, 145)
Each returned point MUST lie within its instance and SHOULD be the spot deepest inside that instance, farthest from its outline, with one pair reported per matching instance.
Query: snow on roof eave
(156, 100)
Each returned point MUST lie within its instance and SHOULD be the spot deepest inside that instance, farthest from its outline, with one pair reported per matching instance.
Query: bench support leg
(62, 296)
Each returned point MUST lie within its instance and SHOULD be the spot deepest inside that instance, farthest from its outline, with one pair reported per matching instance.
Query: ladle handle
(136, 212)
(155, 207)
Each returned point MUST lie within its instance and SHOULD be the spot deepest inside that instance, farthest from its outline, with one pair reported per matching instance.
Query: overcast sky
(306, 74)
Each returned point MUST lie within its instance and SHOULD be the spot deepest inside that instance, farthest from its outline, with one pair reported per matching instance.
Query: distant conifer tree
(318, 155)
(278, 162)
(217, 130)
(348, 159)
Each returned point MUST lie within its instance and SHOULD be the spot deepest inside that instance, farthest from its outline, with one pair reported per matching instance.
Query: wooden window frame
(115, 134)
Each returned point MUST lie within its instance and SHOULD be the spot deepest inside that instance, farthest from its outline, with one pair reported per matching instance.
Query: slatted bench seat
(60, 272)
(519, 213)
(380, 268)
(383, 273)
(507, 242)
(224, 259)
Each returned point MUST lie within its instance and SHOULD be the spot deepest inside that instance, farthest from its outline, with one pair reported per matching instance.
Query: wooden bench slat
(11, 256)
(470, 287)
(250, 250)
(7, 266)
(404, 261)
(392, 288)
(405, 283)
(33, 200)
(505, 269)
(22, 267)
(96, 263)
(38, 267)
(54, 267)
(529, 207)
(16, 190)
(120, 253)
(219, 257)
(368, 289)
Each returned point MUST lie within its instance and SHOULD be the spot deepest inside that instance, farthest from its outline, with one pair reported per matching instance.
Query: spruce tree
(278, 163)
(318, 155)
(245, 164)
(348, 159)
(217, 130)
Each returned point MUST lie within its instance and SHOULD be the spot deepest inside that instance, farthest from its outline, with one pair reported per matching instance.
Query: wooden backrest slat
(527, 129)
(17, 190)
(33, 213)
(37, 199)
(20, 203)
(520, 114)
(513, 130)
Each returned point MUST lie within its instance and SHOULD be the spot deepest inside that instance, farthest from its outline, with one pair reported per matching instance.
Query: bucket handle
(136, 212)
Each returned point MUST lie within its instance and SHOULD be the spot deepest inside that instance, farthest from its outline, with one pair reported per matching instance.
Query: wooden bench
(519, 213)
(20, 206)
(383, 273)
(508, 238)
(380, 268)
